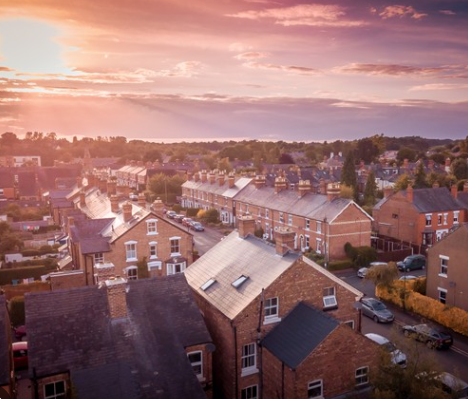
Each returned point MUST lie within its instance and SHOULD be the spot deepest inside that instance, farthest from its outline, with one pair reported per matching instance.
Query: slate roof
(298, 334)
(88, 233)
(230, 259)
(144, 352)
(7, 179)
(27, 186)
(434, 199)
(224, 190)
(4, 343)
(46, 176)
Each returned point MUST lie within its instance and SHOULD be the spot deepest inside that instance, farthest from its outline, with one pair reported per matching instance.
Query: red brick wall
(207, 359)
(67, 281)
(47, 380)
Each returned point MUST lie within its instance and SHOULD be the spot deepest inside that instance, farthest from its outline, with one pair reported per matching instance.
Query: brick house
(419, 216)
(137, 339)
(321, 222)
(447, 269)
(125, 233)
(245, 286)
(7, 374)
(7, 184)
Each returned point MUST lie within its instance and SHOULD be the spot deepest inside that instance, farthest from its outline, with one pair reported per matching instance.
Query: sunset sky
(239, 69)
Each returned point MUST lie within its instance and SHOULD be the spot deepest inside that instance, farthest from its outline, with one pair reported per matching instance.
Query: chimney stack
(102, 185)
(212, 177)
(410, 193)
(203, 176)
(284, 238)
(142, 200)
(103, 271)
(454, 190)
(127, 211)
(157, 206)
(280, 184)
(189, 175)
(114, 200)
(116, 296)
(322, 186)
(196, 176)
(231, 180)
(221, 178)
(111, 187)
(259, 181)
(333, 191)
(79, 181)
(304, 187)
(82, 198)
(245, 225)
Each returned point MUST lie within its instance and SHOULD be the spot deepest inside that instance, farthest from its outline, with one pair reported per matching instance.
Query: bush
(8, 275)
(211, 216)
(340, 265)
(192, 212)
(317, 258)
(176, 208)
(361, 256)
(31, 252)
(16, 310)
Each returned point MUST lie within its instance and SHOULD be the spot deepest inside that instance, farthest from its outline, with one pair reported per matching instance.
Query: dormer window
(238, 282)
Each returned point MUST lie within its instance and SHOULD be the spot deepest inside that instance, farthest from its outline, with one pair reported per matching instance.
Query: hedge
(16, 309)
(192, 212)
(451, 317)
(340, 265)
(8, 275)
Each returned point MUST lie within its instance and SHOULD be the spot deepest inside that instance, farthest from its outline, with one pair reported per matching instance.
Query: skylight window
(208, 284)
(241, 280)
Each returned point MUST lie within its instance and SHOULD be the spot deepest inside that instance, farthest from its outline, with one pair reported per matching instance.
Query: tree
(406, 153)
(346, 192)
(348, 174)
(9, 139)
(152, 155)
(402, 182)
(420, 178)
(285, 159)
(225, 165)
(370, 192)
(366, 150)
(383, 274)
(459, 168)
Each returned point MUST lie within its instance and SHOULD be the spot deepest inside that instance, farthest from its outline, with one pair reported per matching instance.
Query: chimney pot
(127, 211)
(245, 225)
(284, 241)
(114, 200)
(333, 191)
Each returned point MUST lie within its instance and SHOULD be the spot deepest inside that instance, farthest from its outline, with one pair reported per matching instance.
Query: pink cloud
(398, 11)
(386, 69)
(251, 55)
(447, 12)
(284, 68)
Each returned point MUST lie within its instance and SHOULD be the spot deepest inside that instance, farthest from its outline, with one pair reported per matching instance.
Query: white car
(361, 273)
(403, 278)
(397, 356)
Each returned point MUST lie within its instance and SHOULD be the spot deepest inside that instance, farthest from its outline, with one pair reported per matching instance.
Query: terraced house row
(322, 222)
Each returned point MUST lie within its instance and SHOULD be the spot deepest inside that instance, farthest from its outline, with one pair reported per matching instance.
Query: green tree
(420, 180)
(402, 183)
(16, 310)
(366, 150)
(383, 274)
(370, 192)
(459, 169)
(348, 174)
(224, 164)
(406, 153)
(346, 192)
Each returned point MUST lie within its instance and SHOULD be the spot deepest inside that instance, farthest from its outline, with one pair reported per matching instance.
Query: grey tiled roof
(216, 189)
(27, 184)
(298, 334)
(230, 259)
(434, 199)
(144, 353)
(4, 343)
(88, 233)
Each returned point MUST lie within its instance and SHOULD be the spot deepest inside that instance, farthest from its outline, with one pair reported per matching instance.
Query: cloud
(5, 69)
(251, 55)
(284, 68)
(386, 69)
(239, 47)
(302, 14)
(447, 12)
(397, 11)
(439, 86)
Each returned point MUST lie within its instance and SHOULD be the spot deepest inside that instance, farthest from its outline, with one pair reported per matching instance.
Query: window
(290, 220)
(442, 295)
(271, 308)
(319, 227)
(307, 242)
(153, 250)
(428, 219)
(216, 199)
(249, 392)
(55, 390)
(315, 389)
(175, 245)
(329, 298)
(439, 219)
(350, 323)
(99, 258)
(443, 264)
(249, 359)
(307, 224)
(281, 217)
(455, 217)
(132, 272)
(175, 268)
(131, 250)
(267, 214)
(318, 245)
(151, 226)
(238, 282)
(362, 375)
(445, 218)
(154, 266)
(208, 284)
(196, 360)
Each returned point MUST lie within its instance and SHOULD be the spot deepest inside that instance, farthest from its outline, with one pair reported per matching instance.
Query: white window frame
(249, 359)
(250, 392)
(267, 213)
(152, 227)
(439, 219)
(271, 310)
(131, 251)
(307, 224)
(362, 376)
(329, 298)
(456, 216)
(98, 257)
(131, 272)
(314, 385)
(171, 268)
(319, 227)
(443, 265)
(281, 217)
(154, 265)
(428, 219)
(56, 395)
(445, 219)
(290, 220)
(318, 245)
(349, 323)
(178, 245)
(197, 364)
(306, 241)
(153, 247)
(442, 297)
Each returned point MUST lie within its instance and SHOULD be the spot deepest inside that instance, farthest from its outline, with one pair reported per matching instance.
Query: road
(454, 360)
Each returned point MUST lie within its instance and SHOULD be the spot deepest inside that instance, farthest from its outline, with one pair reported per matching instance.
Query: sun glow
(31, 46)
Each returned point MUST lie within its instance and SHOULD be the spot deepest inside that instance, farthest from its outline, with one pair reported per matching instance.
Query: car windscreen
(389, 347)
(378, 306)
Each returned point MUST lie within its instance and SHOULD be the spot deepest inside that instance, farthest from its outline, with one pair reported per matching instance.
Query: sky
(173, 70)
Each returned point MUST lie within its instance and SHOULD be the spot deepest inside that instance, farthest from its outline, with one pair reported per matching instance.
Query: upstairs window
(153, 250)
(455, 217)
(151, 226)
(319, 227)
(131, 250)
(329, 298)
(444, 265)
(175, 246)
(175, 268)
(290, 220)
(315, 389)
(429, 220)
(307, 224)
(362, 376)
(249, 357)
(439, 219)
(196, 360)
(445, 218)
(281, 217)
(267, 214)
(132, 273)
(99, 258)
(250, 392)
(271, 308)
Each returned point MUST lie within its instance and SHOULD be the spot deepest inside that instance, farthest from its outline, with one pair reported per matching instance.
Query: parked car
(362, 272)
(171, 214)
(412, 262)
(187, 222)
(433, 338)
(409, 277)
(454, 386)
(197, 226)
(396, 356)
(20, 355)
(376, 310)
(178, 218)
(19, 332)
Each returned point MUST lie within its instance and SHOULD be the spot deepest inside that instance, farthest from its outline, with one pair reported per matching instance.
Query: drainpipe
(234, 330)
(259, 345)
(282, 380)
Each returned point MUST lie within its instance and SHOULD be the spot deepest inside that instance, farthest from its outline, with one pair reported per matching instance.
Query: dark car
(433, 338)
(376, 310)
(171, 214)
(412, 262)
(197, 226)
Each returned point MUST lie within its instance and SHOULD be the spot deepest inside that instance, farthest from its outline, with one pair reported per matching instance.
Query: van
(412, 262)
